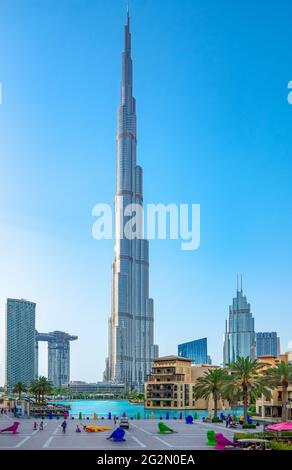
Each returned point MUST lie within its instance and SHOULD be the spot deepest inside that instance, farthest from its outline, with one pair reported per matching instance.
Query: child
(78, 429)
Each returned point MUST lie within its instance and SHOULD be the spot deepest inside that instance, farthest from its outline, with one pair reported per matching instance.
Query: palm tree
(281, 376)
(245, 381)
(19, 387)
(41, 387)
(35, 390)
(45, 387)
(211, 385)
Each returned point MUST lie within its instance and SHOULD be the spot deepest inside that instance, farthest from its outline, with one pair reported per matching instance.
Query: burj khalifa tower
(131, 338)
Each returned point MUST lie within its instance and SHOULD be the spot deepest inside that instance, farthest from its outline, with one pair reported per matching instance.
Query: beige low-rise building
(10, 405)
(272, 407)
(171, 385)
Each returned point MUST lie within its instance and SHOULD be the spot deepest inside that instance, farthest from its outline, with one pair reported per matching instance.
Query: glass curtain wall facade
(239, 330)
(196, 350)
(20, 342)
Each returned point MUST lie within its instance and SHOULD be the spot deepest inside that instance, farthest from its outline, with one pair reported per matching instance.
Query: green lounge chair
(163, 429)
(211, 438)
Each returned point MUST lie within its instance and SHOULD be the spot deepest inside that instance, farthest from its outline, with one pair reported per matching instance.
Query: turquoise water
(118, 407)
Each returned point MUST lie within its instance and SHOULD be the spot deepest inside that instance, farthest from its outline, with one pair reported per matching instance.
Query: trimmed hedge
(217, 420)
(260, 435)
(249, 426)
(280, 445)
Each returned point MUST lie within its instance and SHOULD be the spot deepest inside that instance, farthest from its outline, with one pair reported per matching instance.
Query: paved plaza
(142, 435)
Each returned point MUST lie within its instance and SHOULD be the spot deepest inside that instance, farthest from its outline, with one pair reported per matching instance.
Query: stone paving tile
(142, 435)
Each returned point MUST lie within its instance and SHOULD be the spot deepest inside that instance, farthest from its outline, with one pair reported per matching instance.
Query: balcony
(163, 371)
(166, 378)
(160, 387)
(159, 396)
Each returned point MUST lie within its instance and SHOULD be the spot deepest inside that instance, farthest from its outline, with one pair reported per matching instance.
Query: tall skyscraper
(58, 356)
(267, 344)
(20, 342)
(239, 330)
(131, 343)
(195, 350)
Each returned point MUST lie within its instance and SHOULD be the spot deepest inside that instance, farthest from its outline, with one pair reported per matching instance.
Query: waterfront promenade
(142, 435)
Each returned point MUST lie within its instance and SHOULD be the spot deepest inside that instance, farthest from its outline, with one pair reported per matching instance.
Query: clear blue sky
(214, 127)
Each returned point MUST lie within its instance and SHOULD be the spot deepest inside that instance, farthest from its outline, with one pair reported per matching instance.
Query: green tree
(35, 390)
(63, 391)
(210, 385)
(245, 382)
(45, 387)
(137, 396)
(281, 376)
(41, 387)
(19, 387)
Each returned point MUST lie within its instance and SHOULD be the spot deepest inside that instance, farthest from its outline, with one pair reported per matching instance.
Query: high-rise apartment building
(267, 344)
(20, 342)
(58, 356)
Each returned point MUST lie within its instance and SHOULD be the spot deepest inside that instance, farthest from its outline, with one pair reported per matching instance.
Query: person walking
(41, 426)
(64, 426)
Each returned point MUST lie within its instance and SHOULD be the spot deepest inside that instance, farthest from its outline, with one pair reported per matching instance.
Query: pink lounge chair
(13, 428)
(222, 442)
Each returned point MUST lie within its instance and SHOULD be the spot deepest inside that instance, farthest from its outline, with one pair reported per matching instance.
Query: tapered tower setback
(131, 342)
(239, 339)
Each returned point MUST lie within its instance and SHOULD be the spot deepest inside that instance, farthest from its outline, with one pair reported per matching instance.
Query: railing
(162, 377)
(163, 371)
(160, 396)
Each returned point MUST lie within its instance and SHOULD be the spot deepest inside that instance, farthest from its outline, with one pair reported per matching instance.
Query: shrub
(248, 426)
(252, 409)
(286, 433)
(217, 420)
(260, 435)
(280, 445)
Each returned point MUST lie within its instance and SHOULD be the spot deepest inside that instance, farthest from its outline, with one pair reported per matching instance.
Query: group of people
(40, 427)
(229, 421)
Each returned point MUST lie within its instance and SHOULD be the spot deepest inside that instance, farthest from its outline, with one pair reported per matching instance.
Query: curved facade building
(131, 342)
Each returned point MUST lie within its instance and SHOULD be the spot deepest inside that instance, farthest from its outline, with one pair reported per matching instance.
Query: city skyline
(221, 137)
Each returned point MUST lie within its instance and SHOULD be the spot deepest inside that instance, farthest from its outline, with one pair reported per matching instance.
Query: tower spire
(128, 13)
